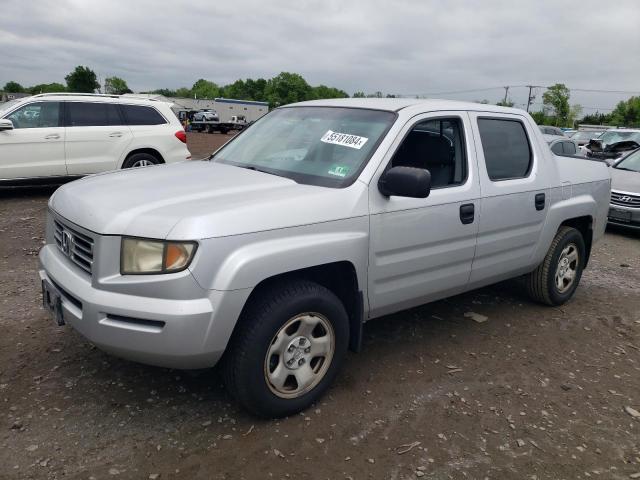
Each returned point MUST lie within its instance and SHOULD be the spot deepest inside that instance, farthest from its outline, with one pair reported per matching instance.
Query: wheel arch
(339, 277)
(148, 150)
(584, 225)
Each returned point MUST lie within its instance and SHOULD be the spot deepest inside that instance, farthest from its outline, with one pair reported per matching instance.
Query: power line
(474, 90)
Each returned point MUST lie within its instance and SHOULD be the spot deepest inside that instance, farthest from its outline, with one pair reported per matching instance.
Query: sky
(405, 47)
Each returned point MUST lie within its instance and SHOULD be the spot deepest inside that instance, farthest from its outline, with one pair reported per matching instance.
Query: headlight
(139, 256)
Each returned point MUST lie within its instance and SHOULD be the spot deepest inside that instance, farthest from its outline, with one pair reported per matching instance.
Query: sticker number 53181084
(344, 139)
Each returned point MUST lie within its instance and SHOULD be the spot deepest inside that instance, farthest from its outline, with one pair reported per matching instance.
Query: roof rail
(69, 94)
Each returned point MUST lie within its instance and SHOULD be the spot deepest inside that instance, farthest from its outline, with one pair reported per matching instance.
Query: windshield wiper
(627, 169)
(256, 169)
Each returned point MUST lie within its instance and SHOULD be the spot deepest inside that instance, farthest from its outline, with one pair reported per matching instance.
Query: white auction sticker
(344, 139)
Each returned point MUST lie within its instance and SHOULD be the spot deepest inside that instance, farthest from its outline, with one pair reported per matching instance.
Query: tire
(224, 131)
(266, 356)
(550, 283)
(140, 160)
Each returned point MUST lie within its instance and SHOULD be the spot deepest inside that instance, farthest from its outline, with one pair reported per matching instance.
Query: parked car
(68, 135)
(206, 116)
(548, 130)
(561, 145)
(613, 144)
(321, 216)
(582, 137)
(625, 191)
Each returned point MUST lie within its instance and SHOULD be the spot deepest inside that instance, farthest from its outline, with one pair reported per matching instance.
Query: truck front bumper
(170, 333)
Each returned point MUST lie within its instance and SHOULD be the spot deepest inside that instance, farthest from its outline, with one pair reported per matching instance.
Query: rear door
(515, 196)
(96, 137)
(35, 146)
(421, 249)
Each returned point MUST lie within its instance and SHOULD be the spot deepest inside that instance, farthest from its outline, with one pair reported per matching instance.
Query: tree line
(289, 87)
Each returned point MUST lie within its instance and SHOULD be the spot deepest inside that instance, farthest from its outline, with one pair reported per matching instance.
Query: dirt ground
(532, 393)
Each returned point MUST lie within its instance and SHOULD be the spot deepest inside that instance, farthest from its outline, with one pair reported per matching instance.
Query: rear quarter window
(142, 115)
(506, 148)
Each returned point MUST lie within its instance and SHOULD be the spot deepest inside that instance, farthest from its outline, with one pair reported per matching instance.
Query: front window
(36, 115)
(326, 146)
(615, 136)
(631, 162)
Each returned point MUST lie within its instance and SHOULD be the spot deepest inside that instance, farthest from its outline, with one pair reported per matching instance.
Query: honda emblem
(66, 243)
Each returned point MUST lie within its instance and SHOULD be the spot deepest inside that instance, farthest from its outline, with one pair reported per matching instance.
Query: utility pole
(531, 97)
(506, 92)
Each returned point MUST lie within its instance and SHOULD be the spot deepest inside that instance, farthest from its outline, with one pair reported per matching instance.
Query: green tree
(166, 92)
(627, 113)
(47, 88)
(322, 91)
(184, 92)
(597, 119)
(237, 89)
(82, 80)
(557, 97)
(205, 89)
(539, 117)
(359, 95)
(574, 113)
(255, 89)
(116, 86)
(13, 87)
(286, 88)
(503, 103)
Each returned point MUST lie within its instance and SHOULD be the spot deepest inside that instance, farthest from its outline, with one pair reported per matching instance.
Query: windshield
(631, 162)
(324, 146)
(584, 136)
(615, 136)
(7, 105)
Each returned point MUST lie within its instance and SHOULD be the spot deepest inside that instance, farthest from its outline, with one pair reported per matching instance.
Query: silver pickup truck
(321, 216)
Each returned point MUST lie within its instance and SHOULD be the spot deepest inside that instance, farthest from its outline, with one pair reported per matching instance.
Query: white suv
(67, 135)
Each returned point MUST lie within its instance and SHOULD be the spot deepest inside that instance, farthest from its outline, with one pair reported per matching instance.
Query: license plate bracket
(52, 302)
(620, 215)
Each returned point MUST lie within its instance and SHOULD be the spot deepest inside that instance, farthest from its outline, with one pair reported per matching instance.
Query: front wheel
(287, 349)
(557, 277)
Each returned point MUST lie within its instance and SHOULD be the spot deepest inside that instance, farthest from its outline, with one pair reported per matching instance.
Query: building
(7, 96)
(224, 107)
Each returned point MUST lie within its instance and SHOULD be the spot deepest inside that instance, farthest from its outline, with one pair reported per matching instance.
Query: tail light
(182, 136)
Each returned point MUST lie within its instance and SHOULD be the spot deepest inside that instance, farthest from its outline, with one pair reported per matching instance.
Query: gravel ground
(532, 393)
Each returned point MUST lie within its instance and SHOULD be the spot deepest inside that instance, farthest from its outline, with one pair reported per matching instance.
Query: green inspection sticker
(338, 170)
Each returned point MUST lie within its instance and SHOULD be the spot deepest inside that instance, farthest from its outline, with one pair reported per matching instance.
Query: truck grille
(625, 199)
(75, 245)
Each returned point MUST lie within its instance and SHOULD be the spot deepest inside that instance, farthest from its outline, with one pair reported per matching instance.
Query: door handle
(53, 136)
(467, 213)
(115, 134)
(540, 201)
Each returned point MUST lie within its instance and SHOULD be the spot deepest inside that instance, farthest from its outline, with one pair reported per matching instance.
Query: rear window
(569, 148)
(142, 115)
(507, 153)
(92, 114)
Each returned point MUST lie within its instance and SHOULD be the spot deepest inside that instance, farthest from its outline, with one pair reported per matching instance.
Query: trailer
(233, 115)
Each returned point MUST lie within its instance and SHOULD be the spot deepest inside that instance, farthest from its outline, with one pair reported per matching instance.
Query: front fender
(243, 261)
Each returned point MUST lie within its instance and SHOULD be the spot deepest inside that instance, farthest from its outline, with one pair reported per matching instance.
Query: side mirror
(6, 124)
(405, 182)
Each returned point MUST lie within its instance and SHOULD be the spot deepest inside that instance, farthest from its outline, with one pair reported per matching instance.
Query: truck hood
(195, 200)
(625, 181)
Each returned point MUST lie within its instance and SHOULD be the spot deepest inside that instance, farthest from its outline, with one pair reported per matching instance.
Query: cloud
(405, 47)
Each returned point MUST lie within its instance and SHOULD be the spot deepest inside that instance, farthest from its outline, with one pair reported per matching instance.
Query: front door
(422, 249)
(35, 145)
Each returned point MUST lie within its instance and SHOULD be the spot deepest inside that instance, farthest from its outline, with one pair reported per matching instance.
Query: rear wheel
(140, 160)
(557, 277)
(287, 349)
